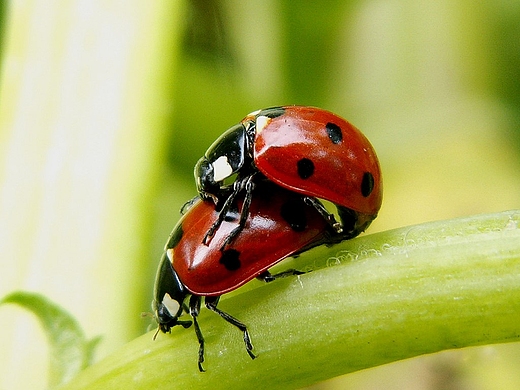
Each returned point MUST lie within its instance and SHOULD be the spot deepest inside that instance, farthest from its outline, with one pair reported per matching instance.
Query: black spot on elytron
(293, 212)
(305, 168)
(334, 133)
(175, 237)
(271, 112)
(367, 184)
(230, 259)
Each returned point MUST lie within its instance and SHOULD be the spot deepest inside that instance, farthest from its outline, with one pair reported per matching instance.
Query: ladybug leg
(331, 220)
(244, 212)
(354, 223)
(194, 310)
(211, 304)
(238, 186)
(267, 277)
(186, 206)
(185, 324)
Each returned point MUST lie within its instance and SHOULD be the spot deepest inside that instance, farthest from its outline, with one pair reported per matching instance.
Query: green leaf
(369, 301)
(70, 351)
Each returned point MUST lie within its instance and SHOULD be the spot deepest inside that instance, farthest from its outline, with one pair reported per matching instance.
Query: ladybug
(304, 149)
(280, 224)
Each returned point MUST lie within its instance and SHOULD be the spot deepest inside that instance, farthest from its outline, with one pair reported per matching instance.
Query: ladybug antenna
(156, 333)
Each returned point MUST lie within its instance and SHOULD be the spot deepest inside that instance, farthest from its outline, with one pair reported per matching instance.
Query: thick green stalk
(369, 301)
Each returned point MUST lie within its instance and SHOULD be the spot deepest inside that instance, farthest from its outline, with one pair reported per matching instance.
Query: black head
(222, 160)
(169, 295)
(205, 179)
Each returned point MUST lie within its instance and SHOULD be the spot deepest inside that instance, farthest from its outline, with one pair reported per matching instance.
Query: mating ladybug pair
(260, 185)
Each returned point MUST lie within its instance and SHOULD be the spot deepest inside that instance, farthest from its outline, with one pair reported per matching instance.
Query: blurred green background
(105, 106)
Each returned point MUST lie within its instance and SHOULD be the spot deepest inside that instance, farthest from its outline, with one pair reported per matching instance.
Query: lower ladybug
(307, 150)
(280, 224)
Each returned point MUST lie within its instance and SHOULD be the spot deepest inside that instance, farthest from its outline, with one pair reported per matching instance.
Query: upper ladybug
(304, 149)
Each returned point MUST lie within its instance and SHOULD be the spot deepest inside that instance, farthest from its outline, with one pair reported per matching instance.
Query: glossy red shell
(339, 168)
(266, 239)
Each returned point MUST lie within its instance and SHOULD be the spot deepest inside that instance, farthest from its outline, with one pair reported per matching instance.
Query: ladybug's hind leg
(331, 220)
(194, 310)
(267, 277)
(354, 223)
(211, 304)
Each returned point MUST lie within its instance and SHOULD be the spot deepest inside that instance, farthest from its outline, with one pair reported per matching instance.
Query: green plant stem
(369, 301)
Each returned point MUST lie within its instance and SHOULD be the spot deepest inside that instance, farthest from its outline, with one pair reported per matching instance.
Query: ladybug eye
(204, 174)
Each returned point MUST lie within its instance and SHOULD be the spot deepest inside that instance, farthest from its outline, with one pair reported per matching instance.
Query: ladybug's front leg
(194, 310)
(211, 304)
(244, 212)
(186, 206)
(238, 186)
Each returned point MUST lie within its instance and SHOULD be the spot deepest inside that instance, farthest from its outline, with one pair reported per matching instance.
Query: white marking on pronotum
(221, 169)
(170, 304)
(261, 122)
(254, 113)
